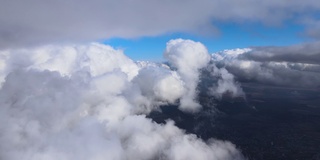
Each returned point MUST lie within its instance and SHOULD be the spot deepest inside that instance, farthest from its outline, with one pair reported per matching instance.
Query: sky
(143, 27)
(230, 36)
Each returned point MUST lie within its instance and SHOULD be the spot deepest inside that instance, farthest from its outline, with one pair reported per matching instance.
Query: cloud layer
(34, 22)
(90, 102)
(308, 53)
(295, 66)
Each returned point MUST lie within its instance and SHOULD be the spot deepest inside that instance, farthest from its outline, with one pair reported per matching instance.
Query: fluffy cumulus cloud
(157, 85)
(36, 22)
(295, 66)
(188, 57)
(90, 102)
(95, 59)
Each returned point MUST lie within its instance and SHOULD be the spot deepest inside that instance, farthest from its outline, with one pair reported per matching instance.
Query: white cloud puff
(188, 57)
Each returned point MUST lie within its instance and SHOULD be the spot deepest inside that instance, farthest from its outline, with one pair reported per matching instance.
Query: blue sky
(232, 35)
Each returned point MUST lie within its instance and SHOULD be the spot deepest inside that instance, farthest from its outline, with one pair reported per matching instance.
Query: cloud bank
(34, 22)
(294, 66)
(90, 102)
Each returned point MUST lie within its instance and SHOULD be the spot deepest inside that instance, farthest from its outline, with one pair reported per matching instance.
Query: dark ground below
(271, 123)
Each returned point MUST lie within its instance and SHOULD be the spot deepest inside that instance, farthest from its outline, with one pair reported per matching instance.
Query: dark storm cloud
(297, 66)
(34, 21)
(275, 74)
(303, 53)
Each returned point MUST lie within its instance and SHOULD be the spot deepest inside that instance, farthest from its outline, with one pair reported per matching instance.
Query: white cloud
(96, 59)
(160, 84)
(83, 102)
(188, 57)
